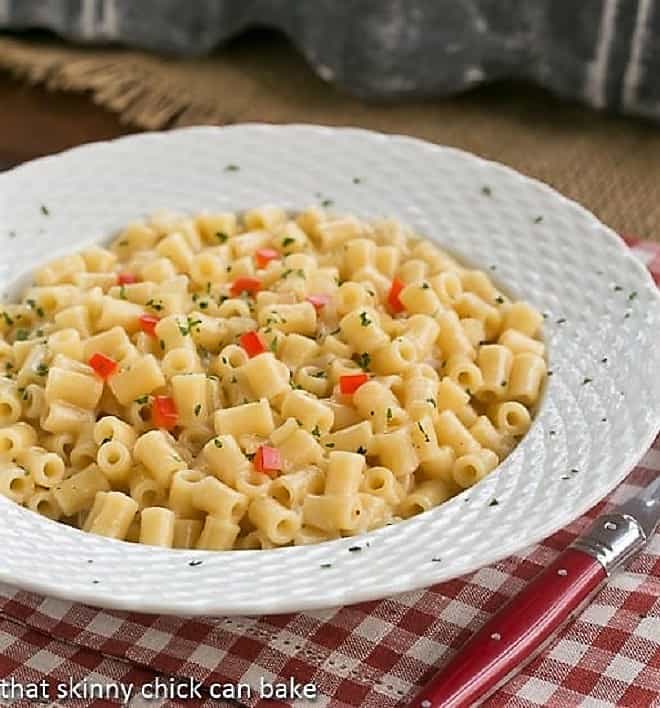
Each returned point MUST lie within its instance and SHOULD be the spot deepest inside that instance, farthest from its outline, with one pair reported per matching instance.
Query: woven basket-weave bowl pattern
(540, 246)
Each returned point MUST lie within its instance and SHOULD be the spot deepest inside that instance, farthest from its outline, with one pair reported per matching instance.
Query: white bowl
(597, 417)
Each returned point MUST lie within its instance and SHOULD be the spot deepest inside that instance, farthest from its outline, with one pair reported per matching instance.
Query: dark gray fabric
(603, 52)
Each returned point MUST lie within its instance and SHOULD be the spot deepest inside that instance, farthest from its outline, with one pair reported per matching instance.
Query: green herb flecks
(364, 360)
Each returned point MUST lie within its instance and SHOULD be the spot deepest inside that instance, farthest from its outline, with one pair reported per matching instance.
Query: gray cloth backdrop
(603, 52)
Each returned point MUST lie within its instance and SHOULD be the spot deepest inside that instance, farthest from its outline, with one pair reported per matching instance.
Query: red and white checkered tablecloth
(375, 654)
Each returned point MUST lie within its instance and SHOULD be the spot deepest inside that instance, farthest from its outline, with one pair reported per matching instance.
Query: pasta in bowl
(246, 382)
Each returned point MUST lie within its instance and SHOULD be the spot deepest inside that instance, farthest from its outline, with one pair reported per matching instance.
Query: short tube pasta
(157, 527)
(261, 379)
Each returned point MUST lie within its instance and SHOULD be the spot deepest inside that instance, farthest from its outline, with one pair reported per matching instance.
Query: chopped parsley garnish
(354, 549)
(617, 288)
(357, 180)
(203, 305)
(141, 400)
(316, 432)
(154, 305)
(42, 369)
(364, 319)
(499, 300)
(486, 191)
(361, 450)
(217, 443)
(561, 320)
(586, 380)
(423, 432)
(330, 444)
(295, 271)
(364, 360)
(632, 295)
(221, 236)
(288, 241)
(44, 210)
(7, 319)
(493, 502)
(538, 219)
(232, 168)
(389, 414)
(325, 565)
(327, 203)
(195, 563)
(188, 327)
(436, 560)
(106, 440)
(198, 409)
(432, 402)
(122, 292)
(319, 374)
(22, 335)
(162, 344)
(425, 286)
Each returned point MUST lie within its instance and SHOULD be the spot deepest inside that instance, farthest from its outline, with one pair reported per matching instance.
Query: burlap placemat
(608, 163)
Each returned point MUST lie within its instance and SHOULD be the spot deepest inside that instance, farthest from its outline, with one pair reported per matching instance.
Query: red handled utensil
(528, 621)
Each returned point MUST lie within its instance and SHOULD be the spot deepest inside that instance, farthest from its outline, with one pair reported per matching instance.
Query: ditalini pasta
(253, 381)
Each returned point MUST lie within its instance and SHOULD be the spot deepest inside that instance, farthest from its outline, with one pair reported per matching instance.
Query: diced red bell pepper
(148, 324)
(252, 343)
(264, 256)
(245, 284)
(126, 278)
(268, 460)
(350, 383)
(319, 301)
(393, 296)
(164, 413)
(103, 365)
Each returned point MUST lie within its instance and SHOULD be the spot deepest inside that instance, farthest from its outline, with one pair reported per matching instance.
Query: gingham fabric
(375, 654)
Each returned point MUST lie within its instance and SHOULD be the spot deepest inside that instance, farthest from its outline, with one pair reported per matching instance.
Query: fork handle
(515, 633)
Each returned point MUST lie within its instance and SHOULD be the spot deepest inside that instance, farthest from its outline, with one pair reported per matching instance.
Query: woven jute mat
(608, 163)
